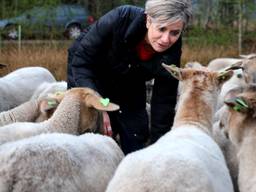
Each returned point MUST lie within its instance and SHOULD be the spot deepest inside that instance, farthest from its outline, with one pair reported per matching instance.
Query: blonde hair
(168, 11)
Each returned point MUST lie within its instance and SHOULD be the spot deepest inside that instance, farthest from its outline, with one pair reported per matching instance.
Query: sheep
(186, 159)
(228, 149)
(59, 162)
(31, 111)
(240, 126)
(49, 87)
(18, 86)
(78, 112)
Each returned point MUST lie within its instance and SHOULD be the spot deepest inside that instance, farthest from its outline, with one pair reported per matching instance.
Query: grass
(53, 54)
(49, 54)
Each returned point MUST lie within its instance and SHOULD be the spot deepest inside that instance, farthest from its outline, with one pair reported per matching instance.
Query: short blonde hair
(168, 11)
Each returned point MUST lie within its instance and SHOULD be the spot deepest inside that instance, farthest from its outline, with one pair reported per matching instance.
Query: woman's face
(161, 37)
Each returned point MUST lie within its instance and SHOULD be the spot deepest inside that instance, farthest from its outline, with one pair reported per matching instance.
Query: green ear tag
(237, 108)
(241, 102)
(104, 102)
(52, 103)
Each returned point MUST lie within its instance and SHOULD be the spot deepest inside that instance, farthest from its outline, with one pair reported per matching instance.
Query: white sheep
(79, 111)
(18, 86)
(186, 159)
(59, 162)
(228, 149)
(240, 125)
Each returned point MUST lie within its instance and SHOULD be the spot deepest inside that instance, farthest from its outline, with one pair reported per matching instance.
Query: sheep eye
(239, 76)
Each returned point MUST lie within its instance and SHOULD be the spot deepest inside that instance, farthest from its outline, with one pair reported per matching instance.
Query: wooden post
(19, 38)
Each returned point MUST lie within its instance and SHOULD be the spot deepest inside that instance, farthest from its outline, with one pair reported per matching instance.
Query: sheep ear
(234, 66)
(174, 70)
(223, 76)
(2, 65)
(100, 103)
(238, 104)
(48, 104)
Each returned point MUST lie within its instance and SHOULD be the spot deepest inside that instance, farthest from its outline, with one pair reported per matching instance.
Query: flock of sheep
(51, 138)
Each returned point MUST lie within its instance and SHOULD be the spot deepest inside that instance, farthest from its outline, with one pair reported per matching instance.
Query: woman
(122, 50)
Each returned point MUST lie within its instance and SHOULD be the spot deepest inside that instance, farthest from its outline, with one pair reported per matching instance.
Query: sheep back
(183, 160)
(59, 162)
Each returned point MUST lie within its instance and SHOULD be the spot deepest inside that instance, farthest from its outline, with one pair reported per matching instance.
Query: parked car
(64, 19)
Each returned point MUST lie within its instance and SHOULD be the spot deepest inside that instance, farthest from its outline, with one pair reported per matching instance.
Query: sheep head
(92, 105)
(241, 120)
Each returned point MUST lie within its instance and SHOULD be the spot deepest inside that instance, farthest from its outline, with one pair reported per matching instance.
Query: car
(65, 19)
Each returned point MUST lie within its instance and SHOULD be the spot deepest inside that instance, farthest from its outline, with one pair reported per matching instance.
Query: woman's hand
(106, 124)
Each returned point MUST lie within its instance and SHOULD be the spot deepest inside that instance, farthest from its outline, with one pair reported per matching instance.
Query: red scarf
(144, 50)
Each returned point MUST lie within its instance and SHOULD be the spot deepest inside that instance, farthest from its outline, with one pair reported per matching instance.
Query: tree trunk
(240, 27)
(92, 7)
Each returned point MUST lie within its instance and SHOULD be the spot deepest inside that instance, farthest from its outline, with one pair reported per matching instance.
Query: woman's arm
(90, 47)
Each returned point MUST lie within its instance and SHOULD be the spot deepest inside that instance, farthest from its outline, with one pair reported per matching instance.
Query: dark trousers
(71, 52)
(132, 128)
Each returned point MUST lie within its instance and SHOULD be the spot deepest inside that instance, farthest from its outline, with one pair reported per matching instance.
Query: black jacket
(104, 58)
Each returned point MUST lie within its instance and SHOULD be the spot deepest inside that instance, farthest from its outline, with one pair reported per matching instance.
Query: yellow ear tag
(104, 102)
